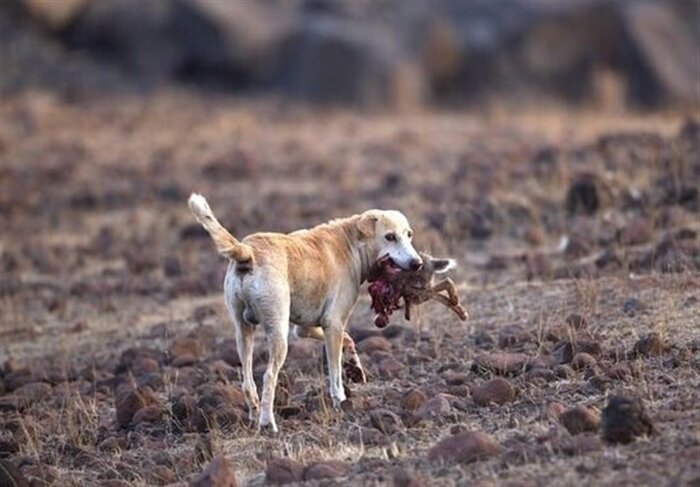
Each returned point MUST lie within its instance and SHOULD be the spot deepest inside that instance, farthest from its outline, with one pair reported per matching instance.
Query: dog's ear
(443, 265)
(367, 223)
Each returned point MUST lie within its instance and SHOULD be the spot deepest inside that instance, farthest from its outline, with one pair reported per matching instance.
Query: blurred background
(551, 147)
(362, 53)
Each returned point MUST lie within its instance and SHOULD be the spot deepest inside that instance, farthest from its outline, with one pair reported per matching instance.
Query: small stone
(514, 335)
(386, 421)
(33, 392)
(184, 346)
(464, 447)
(223, 369)
(564, 371)
(590, 347)
(144, 365)
(620, 371)
(184, 360)
(171, 266)
(624, 419)
(497, 390)
(148, 414)
(10, 475)
(129, 402)
(374, 344)
(405, 478)
(632, 306)
(582, 361)
(579, 444)
(46, 474)
(500, 363)
(219, 473)
(281, 471)
(326, 470)
(390, 368)
(435, 407)
(650, 346)
(555, 410)
(576, 321)
(413, 400)
(580, 420)
(541, 374)
(563, 352)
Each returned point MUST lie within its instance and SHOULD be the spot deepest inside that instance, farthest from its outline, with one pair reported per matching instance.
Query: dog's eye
(410, 234)
(390, 237)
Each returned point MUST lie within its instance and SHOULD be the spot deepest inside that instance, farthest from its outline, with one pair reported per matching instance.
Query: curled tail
(226, 244)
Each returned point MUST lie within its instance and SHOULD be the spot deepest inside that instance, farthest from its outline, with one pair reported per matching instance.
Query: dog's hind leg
(245, 341)
(245, 338)
(276, 324)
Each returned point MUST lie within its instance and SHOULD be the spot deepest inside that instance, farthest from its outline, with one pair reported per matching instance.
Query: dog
(310, 278)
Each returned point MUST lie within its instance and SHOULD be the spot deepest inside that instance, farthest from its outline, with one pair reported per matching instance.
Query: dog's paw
(269, 429)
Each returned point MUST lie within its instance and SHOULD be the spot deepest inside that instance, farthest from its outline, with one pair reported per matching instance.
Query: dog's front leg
(333, 333)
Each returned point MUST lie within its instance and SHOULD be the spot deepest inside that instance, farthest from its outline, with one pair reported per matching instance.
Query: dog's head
(389, 234)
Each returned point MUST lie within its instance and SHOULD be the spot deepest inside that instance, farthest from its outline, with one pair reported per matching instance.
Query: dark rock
(464, 447)
(390, 368)
(577, 322)
(412, 400)
(497, 390)
(161, 475)
(582, 361)
(405, 478)
(8, 447)
(500, 363)
(386, 421)
(632, 306)
(578, 444)
(282, 471)
(514, 335)
(33, 392)
(583, 195)
(129, 402)
(436, 407)
(148, 414)
(171, 266)
(373, 344)
(184, 346)
(620, 371)
(580, 420)
(326, 470)
(650, 346)
(219, 473)
(625, 418)
(11, 476)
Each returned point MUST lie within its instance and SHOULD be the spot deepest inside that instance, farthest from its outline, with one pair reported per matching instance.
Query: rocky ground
(577, 239)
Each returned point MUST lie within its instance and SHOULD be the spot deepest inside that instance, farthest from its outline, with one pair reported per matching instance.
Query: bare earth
(107, 285)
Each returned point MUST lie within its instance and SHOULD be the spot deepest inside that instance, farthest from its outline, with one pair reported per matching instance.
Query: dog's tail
(226, 244)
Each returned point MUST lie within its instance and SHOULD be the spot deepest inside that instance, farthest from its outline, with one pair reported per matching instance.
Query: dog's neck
(362, 254)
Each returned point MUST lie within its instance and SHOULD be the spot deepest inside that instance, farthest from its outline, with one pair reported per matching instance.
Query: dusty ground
(106, 284)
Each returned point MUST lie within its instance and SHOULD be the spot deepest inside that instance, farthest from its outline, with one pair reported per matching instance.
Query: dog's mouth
(388, 264)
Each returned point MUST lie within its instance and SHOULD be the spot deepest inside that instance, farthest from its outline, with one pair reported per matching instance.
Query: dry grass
(97, 222)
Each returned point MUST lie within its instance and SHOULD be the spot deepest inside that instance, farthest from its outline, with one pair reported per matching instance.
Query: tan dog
(310, 278)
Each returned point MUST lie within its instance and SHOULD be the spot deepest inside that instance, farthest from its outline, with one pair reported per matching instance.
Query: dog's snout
(415, 264)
